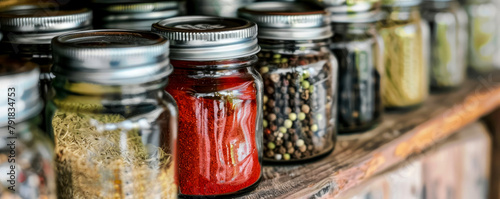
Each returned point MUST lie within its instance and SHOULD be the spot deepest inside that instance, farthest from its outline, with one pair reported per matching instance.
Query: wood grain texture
(359, 157)
(457, 167)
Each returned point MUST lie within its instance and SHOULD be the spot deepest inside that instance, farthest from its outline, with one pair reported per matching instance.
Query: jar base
(370, 125)
(300, 161)
(227, 195)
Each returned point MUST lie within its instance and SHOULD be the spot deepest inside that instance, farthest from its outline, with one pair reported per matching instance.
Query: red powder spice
(217, 149)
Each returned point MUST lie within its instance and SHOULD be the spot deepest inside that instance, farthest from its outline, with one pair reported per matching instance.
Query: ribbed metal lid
(44, 20)
(138, 14)
(288, 20)
(111, 57)
(21, 87)
(400, 3)
(208, 38)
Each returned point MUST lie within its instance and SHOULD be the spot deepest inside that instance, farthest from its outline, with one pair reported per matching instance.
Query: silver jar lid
(111, 57)
(136, 15)
(38, 25)
(288, 20)
(200, 38)
(20, 94)
(44, 20)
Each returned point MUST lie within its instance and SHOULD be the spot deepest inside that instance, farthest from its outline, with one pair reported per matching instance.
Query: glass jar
(482, 32)
(358, 50)
(132, 15)
(29, 29)
(219, 96)
(27, 32)
(448, 63)
(221, 8)
(300, 80)
(26, 154)
(405, 37)
(114, 127)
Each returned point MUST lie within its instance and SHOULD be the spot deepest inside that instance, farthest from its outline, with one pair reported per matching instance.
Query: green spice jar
(114, 127)
(300, 80)
(358, 49)
(483, 29)
(448, 60)
(406, 44)
(26, 154)
(132, 14)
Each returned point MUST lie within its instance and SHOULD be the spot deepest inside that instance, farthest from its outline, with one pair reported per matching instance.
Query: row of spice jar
(229, 104)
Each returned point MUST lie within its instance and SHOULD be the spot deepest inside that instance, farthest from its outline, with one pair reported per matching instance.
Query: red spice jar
(219, 95)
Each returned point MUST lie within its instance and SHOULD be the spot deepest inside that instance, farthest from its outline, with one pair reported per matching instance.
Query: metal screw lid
(44, 20)
(137, 15)
(208, 38)
(111, 57)
(24, 97)
(288, 20)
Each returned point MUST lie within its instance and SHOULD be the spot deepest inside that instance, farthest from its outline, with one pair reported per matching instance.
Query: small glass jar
(221, 8)
(358, 50)
(482, 29)
(300, 80)
(219, 95)
(29, 29)
(405, 36)
(132, 15)
(26, 154)
(114, 127)
(447, 66)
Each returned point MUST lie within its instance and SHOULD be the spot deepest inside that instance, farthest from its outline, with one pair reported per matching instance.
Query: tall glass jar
(300, 80)
(448, 63)
(482, 29)
(405, 36)
(358, 50)
(132, 14)
(26, 154)
(115, 129)
(219, 95)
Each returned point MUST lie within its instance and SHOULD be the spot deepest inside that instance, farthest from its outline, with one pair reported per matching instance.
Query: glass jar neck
(292, 45)
(224, 64)
(402, 13)
(64, 87)
(352, 28)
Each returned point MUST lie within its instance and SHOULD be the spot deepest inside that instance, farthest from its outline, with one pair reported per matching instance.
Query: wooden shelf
(401, 136)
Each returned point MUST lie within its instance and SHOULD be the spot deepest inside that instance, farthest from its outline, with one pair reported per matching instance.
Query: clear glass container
(448, 63)
(405, 37)
(26, 154)
(219, 95)
(132, 15)
(300, 99)
(482, 29)
(357, 48)
(300, 80)
(115, 128)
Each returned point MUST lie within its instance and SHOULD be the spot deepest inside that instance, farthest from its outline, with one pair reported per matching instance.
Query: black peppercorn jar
(28, 30)
(448, 53)
(132, 14)
(300, 76)
(358, 50)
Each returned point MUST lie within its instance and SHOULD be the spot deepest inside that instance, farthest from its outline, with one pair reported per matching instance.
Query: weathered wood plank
(358, 157)
(457, 167)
